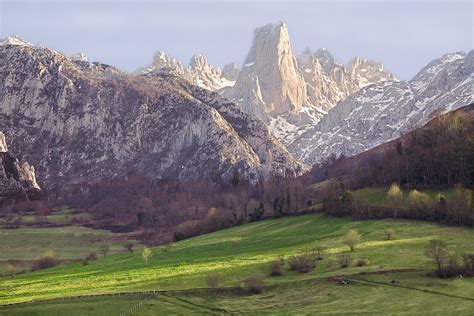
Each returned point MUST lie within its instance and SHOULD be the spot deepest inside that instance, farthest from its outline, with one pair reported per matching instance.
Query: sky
(404, 35)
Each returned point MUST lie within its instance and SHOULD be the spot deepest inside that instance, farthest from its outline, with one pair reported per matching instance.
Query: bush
(128, 247)
(254, 285)
(351, 239)
(276, 268)
(92, 256)
(453, 267)
(389, 232)
(44, 262)
(344, 260)
(362, 262)
(214, 280)
(302, 263)
(10, 270)
(331, 265)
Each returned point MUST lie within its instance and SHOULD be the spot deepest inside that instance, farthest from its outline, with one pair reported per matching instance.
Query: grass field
(247, 250)
(21, 246)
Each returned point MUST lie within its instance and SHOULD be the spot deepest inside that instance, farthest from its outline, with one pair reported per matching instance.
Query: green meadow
(396, 280)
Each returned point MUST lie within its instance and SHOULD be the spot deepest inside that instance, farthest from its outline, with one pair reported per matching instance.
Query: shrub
(44, 262)
(92, 256)
(351, 239)
(331, 265)
(362, 262)
(214, 280)
(389, 232)
(344, 260)
(276, 268)
(254, 285)
(302, 263)
(10, 270)
(128, 247)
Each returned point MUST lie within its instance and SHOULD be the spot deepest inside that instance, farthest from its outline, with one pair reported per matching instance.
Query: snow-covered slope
(383, 111)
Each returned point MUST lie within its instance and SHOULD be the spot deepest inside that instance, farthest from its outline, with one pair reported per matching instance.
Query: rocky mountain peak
(364, 72)
(198, 71)
(14, 40)
(80, 57)
(271, 60)
(325, 58)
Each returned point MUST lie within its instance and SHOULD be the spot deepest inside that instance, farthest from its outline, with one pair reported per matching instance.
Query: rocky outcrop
(291, 94)
(199, 72)
(79, 121)
(231, 72)
(17, 181)
(272, 62)
(383, 111)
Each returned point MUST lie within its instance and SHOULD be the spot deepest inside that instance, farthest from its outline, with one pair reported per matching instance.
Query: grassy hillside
(395, 279)
(378, 196)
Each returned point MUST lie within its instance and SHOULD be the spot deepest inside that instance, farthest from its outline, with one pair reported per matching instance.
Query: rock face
(17, 181)
(291, 94)
(78, 121)
(231, 72)
(198, 72)
(381, 112)
(271, 61)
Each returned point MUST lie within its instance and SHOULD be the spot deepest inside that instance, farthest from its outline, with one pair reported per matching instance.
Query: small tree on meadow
(214, 280)
(146, 255)
(319, 252)
(419, 203)
(389, 233)
(104, 250)
(394, 198)
(437, 251)
(351, 239)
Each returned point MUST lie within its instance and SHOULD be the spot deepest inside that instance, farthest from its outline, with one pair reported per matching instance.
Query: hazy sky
(404, 35)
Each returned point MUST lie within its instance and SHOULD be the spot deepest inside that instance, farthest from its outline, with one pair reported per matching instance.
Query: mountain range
(318, 107)
(79, 121)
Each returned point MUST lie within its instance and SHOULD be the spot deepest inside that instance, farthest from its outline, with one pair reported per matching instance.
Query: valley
(283, 170)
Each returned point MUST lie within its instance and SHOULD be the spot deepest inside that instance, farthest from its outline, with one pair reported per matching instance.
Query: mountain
(17, 181)
(198, 72)
(291, 93)
(383, 111)
(78, 121)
